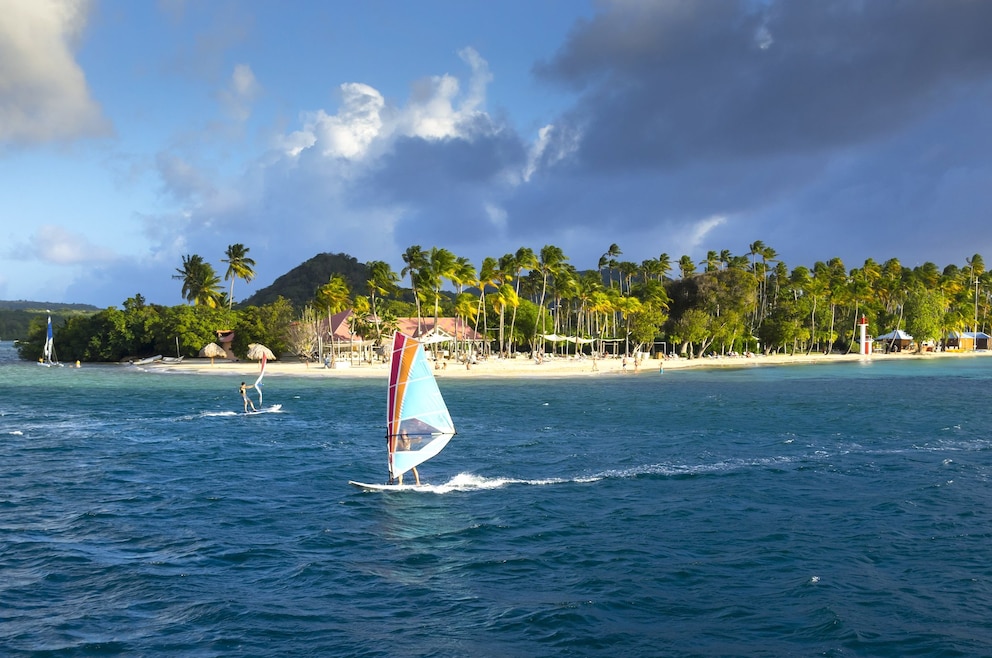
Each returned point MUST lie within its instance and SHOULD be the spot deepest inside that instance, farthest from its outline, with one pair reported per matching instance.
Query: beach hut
(967, 341)
(256, 350)
(212, 351)
(896, 340)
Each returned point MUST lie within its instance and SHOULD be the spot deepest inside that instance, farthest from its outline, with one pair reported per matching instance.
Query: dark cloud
(821, 128)
(445, 185)
(668, 83)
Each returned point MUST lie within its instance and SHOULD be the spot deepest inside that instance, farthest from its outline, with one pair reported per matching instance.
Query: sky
(136, 132)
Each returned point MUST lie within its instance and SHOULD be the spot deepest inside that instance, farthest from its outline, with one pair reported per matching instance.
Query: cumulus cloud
(43, 92)
(347, 134)
(365, 127)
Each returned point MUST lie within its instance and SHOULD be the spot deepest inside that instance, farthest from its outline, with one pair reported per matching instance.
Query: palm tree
(712, 261)
(627, 271)
(416, 261)
(200, 282)
(461, 274)
(977, 266)
(382, 281)
(551, 260)
(523, 259)
(505, 296)
(609, 260)
(489, 276)
(664, 264)
(239, 266)
(651, 269)
(332, 297)
(725, 258)
(441, 263)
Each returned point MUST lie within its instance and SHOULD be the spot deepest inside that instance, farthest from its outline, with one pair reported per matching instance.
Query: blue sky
(135, 132)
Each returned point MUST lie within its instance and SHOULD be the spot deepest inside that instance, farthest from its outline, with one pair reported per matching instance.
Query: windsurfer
(244, 396)
(404, 444)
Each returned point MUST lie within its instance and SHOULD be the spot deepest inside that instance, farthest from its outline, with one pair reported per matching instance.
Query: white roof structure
(895, 334)
(968, 334)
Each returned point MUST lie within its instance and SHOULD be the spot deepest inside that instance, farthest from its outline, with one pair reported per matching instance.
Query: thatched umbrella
(212, 351)
(256, 350)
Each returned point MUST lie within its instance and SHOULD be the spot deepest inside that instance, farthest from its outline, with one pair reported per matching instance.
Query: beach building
(454, 336)
(896, 340)
(225, 338)
(336, 337)
(966, 341)
(338, 345)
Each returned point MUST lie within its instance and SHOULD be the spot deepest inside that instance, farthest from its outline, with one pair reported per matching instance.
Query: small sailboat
(48, 357)
(174, 360)
(418, 425)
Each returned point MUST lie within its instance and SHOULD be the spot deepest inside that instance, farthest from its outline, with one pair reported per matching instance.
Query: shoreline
(527, 368)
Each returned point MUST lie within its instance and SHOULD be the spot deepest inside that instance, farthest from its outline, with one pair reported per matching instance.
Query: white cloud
(241, 92)
(550, 147)
(702, 228)
(44, 97)
(479, 81)
(364, 126)
(437, 109)
(182, 180)
(346, 134)
(497, 216)
(54, 244)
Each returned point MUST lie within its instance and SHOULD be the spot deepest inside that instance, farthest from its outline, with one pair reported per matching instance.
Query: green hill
(299, 285)
(16, 316)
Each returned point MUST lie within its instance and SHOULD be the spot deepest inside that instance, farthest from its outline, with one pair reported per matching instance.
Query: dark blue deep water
(828, 510)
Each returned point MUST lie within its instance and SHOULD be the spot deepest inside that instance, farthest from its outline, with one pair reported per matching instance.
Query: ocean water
(827, 510)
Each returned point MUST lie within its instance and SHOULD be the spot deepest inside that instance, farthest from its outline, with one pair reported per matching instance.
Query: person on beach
(244, 396)
(404, 444)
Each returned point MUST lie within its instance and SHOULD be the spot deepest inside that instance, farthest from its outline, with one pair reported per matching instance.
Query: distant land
(299, 286)
(16, 316)
(44, 307)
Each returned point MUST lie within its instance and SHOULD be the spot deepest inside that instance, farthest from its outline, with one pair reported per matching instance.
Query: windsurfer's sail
(418, 424)
(258, 382)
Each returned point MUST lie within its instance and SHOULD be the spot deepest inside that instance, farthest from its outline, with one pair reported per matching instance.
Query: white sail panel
(418, 422)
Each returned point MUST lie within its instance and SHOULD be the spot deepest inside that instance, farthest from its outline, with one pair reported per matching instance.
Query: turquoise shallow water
(837, 510)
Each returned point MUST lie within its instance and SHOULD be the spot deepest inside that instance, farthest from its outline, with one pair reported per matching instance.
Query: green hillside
(299, 285)
(16, 316)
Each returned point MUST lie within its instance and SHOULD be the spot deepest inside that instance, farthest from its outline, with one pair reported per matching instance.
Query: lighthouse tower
(865, 341)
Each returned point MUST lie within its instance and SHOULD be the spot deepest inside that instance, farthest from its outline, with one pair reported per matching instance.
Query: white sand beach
(549, 367)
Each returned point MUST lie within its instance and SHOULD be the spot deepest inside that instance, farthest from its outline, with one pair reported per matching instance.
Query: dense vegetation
(725, 303)
(146, 329)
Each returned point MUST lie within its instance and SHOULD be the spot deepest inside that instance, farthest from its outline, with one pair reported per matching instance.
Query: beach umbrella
(212, 351)
(256, 350)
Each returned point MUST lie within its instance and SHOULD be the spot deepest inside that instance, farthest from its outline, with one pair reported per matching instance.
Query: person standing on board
(404, 444)
(244, 396)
